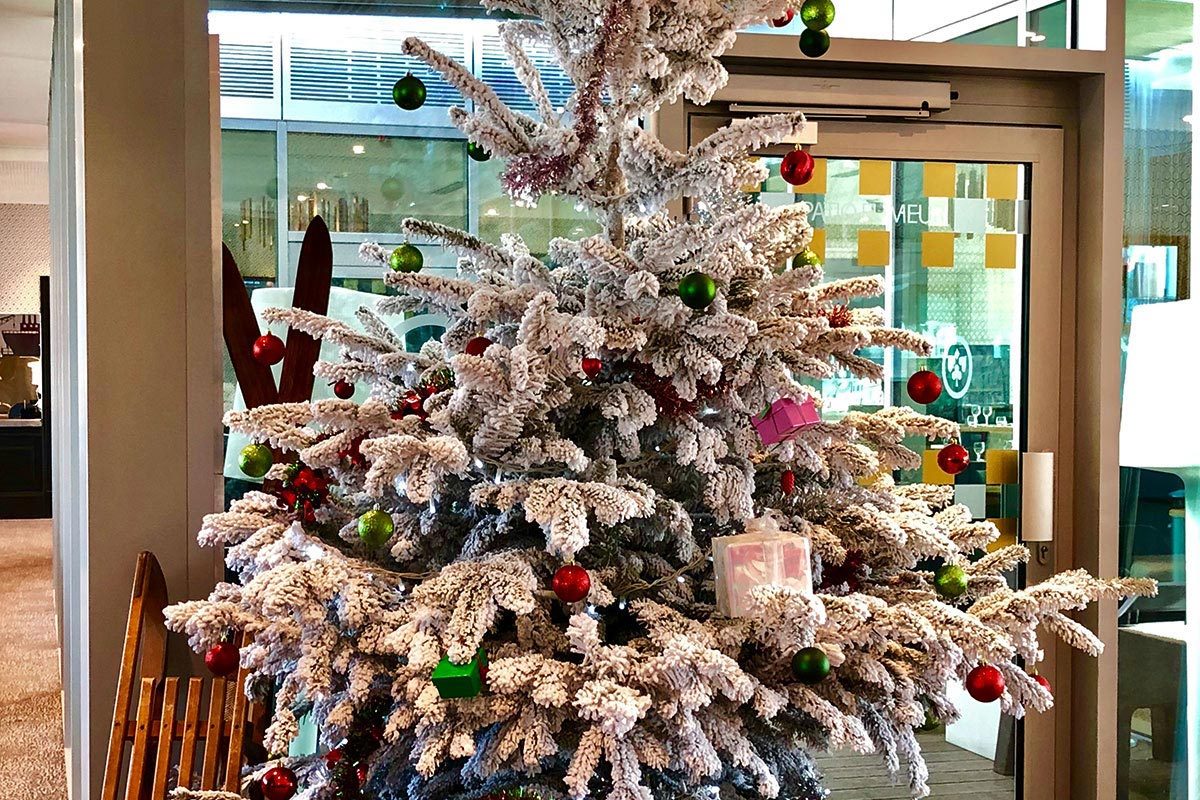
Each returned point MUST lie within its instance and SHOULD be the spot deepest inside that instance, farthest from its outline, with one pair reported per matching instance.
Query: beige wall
(150, 276)
(24, 255)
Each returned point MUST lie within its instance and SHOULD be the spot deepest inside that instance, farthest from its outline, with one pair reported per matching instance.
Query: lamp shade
(1160, 415)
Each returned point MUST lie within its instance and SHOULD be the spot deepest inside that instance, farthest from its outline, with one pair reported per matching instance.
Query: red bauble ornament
(571, 583)
(477, 346)
(360, 773)
(985, 683)
(278, 783)
(333, 757)
(343, 389)
(1045, 684)
(308, 480)
(268, 349)
(780, 22)
(222, 659)
(413, 404)
(797, 167)
(953, 459)
(924, 386)
(850, 572)
(591, 366)
(787, 482)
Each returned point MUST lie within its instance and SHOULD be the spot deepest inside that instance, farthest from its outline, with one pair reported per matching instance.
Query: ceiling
(26, 29)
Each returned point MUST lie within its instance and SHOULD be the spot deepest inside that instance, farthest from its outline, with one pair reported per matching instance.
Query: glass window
(1151, 728)
(552, 217)
(1047, 26)
(249, 202)
(948, 241)
(1032, 23)
(1006, 32)
(363, 184)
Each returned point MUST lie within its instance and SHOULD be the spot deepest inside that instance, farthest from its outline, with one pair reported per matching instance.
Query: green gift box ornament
(461, 680)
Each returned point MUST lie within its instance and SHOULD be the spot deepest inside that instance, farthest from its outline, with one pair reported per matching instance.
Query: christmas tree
(597, 541)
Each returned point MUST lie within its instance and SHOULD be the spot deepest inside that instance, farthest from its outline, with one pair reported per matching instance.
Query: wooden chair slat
(137, 756)
(152, 658)
(191, 717)
(166, 736)
(116, 739)
(237, 732)
(142, 739)
(212, 744)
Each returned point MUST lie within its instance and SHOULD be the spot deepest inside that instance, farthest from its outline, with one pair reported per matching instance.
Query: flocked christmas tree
(563, 550)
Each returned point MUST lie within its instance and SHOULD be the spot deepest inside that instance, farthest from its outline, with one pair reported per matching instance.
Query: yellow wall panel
(1001, 181)
(1000, 251)
(1000, 467)
(874, 248)
(939, 179)
(817, 245)
(874, 177)
(1008, 533)
(931, 472)
(937, 249)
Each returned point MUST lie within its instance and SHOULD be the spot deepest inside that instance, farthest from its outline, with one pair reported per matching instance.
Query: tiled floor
(31, 744)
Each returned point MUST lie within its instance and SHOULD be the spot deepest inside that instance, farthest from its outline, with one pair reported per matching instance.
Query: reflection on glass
(1159, 75)
(369, 184)
(1031, 23)
(1047, 26)
(552, 217)
(249, 191)
(948, 242)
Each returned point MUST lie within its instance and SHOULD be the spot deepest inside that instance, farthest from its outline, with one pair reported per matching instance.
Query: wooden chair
(154, 741)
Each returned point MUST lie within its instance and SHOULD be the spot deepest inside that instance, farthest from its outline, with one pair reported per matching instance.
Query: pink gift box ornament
(785, 418)
(763, 556)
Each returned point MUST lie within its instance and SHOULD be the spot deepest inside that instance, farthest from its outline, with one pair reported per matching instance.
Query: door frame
(1081, 93)
(1044, 426)
(1046, 360)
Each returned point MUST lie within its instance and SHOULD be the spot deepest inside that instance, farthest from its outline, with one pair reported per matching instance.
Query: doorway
(964, 225)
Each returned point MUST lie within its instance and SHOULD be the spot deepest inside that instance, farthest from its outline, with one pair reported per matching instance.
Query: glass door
(963, 227)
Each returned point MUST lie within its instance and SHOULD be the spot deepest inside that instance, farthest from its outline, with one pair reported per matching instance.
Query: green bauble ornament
(950, 581)
(817, 15)
(697, 290)
(391, 189)
(409, 92)
(814, 44)
(255, 460)
(406, 258)
(810, 665)
(375, 528)
(806, 259)
(477, 152)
